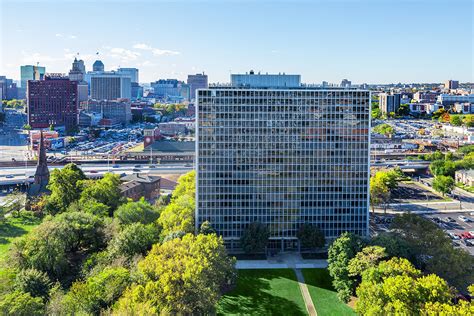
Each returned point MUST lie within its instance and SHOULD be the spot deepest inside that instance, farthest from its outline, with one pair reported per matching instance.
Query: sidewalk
(282, 261)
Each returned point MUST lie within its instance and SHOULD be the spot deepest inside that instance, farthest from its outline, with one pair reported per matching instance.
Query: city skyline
(267, 36)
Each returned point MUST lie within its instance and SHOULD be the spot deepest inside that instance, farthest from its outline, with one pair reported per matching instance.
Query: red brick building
(52, 101)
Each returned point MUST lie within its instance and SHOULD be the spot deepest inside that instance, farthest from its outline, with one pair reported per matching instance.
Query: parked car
(93, 171)
(464, 218)
(9, 176)
(453, 236)
(450, 220)
(115, 166)
(466, 235)
(468, 242)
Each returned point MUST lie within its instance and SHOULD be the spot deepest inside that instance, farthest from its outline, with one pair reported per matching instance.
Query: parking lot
(451, 223)
(448, 222)
(412, 192)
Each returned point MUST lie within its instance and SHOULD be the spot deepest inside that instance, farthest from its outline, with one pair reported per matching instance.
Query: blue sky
(373, 41)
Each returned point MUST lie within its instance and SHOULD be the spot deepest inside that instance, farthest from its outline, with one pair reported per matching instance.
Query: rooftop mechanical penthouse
(282, 157)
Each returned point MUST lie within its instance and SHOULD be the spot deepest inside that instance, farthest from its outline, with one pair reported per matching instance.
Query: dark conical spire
(42, 171)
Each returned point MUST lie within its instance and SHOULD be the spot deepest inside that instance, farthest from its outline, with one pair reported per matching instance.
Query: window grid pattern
(283, 158)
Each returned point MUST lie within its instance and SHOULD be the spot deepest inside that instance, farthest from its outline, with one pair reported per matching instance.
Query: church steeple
(42, 171)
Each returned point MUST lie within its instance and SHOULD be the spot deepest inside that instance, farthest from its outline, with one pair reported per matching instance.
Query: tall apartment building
(109, 85)
(8, 89)
(197, 81)
(389, 102)
(451, 84)
(282, 157)
(52, 101)
(346, 83)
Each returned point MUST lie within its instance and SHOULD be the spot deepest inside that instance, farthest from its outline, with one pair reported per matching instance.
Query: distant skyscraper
(30, 72)
(346, 83)
(451, 84)
(265, 80)
(8, 89)
(117, 110)
(98, 66)
(131, 72)
(78, 70)
(282, 157)
(197, 81)
(109, 85)
(77, 73)
(389, 102)
(52, 101)
(170, 89)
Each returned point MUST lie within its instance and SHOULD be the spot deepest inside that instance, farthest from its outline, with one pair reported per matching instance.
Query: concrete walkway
(282, 261)
(308, 301)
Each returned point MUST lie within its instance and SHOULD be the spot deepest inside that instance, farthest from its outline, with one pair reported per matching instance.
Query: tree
(443, 184)
(206, 228)
(97, 292)
(53, 246)
(181, 276)
(35, 282)
(395, 287)
(455, 120)
(134, 239)
(254, 238)
(21, 304)
(136, 212)
(443, 168)
(105, 191)
(376, 114)
(403, 110)
(438, 113)
(89, 206)
(27, 127)
(469, 120)
(178, 215)
(381, 185)
(341, 251)
(64, 187)
(384, 129)
(369, 257)
(432, 250)
(461, 308)
(394, 245)
(310, 236)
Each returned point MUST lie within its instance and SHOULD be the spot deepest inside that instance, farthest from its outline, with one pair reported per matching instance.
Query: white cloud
(123, 54)
(58, 35)
(156, 51)
(72, 36)
(142, 46)
(164, 52)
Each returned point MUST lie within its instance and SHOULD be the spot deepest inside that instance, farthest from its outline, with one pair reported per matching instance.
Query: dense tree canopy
(105, 191)
(181, 276)
(136, 212)
(384, 129)
(65, 188)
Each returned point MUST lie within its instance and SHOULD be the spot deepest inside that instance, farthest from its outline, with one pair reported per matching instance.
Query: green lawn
(323, 295)
(264, 292)
(13, 228)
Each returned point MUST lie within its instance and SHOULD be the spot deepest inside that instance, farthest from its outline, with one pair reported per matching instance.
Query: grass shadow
(9, 230)
(263, 292)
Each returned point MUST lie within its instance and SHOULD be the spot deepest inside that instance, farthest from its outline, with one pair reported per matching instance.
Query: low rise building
(464, 108)
(172, 129)
(136, 186)
(465, 177)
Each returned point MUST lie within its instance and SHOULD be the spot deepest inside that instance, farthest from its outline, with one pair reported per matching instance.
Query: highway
(9, 176)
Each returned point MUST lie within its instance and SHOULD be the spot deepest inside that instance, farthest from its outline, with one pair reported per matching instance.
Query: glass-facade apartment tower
(282, 157)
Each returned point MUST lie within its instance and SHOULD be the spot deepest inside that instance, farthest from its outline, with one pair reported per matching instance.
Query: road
(20, 175)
